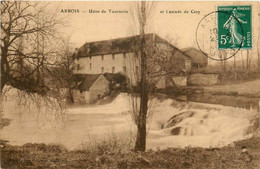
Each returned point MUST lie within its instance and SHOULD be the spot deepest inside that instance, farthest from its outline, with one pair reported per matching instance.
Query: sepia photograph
(130, 84)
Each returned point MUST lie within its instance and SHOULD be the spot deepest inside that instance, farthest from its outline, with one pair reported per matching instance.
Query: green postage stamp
(234, 27)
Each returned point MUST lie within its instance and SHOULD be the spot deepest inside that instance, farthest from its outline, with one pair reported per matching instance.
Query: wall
(99, 89)
(133, 69)
(119, 62)
(97, 63)
(200, 79)
(129, 60)
(182, 61)
(81, 97)
(180, 80)
(161, 83)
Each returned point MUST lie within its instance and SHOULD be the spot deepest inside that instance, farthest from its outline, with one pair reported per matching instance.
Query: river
(84, 124)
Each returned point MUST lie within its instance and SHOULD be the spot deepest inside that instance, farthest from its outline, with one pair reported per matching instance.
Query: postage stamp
(207, 38)
(234, 27)
(222, 33)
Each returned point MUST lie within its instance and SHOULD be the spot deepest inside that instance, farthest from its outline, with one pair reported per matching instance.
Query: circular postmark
(218, 46)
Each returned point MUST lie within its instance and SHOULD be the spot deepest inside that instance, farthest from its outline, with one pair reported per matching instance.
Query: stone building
(198, 59)
(90, 88)
(122, 56)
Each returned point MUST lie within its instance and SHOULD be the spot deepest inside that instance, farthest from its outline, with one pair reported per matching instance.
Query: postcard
(130, 84)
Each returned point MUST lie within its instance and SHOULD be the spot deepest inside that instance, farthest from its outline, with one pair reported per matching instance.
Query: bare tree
(28, 52)
(156, 61)
(140, 143)
(63, 72)
(258, 53)
(21, 25)
(141, 13)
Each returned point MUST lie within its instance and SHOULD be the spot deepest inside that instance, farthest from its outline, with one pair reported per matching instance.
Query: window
(113, 69)
(124, 55)
(124, 69)
(102, 69)
(90, 66)
(102, 57)
(113, 56)
(78, 66)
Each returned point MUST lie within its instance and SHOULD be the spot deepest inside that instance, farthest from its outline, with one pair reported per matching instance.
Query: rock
(143, 160)
(244, 150)
(178, 118)
(176, 131)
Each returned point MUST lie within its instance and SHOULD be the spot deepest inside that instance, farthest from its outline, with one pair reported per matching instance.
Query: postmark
(221, 34)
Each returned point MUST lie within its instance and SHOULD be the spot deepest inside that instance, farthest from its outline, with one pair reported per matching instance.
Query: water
(75, 131)
(91, 123)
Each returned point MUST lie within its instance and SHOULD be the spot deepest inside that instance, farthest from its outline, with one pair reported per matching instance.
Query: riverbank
(240, 155)
(249, 89)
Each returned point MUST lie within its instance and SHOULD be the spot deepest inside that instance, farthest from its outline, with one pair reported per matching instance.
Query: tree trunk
(3, 82)
(4, 67)
(258, 54)
(140, 143)
(70, 95)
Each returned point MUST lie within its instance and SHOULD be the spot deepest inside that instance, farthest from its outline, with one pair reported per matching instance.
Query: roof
(85, 81)
(119, 45)
(196, 55)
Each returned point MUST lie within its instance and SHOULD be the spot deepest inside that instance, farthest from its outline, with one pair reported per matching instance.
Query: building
(198, 59)
(90, 87)
(122, 56)
(117, 81)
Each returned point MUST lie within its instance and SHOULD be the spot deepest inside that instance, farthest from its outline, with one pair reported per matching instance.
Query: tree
(156, 61)
(140, 143)
(64, 70)
(21, 25)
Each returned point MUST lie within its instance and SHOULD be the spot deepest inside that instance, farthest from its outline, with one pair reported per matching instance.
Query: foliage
(56, 156)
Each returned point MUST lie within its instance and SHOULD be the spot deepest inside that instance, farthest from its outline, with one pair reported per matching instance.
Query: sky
(179, 28)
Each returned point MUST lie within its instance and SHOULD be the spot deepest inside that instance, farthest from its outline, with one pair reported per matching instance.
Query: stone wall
(99, 89)
(81, 97)
(199, 79)
(180, 80)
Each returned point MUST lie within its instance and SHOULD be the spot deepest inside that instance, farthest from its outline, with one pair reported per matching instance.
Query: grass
(112, 155)
(250, 89)
(246, 89)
